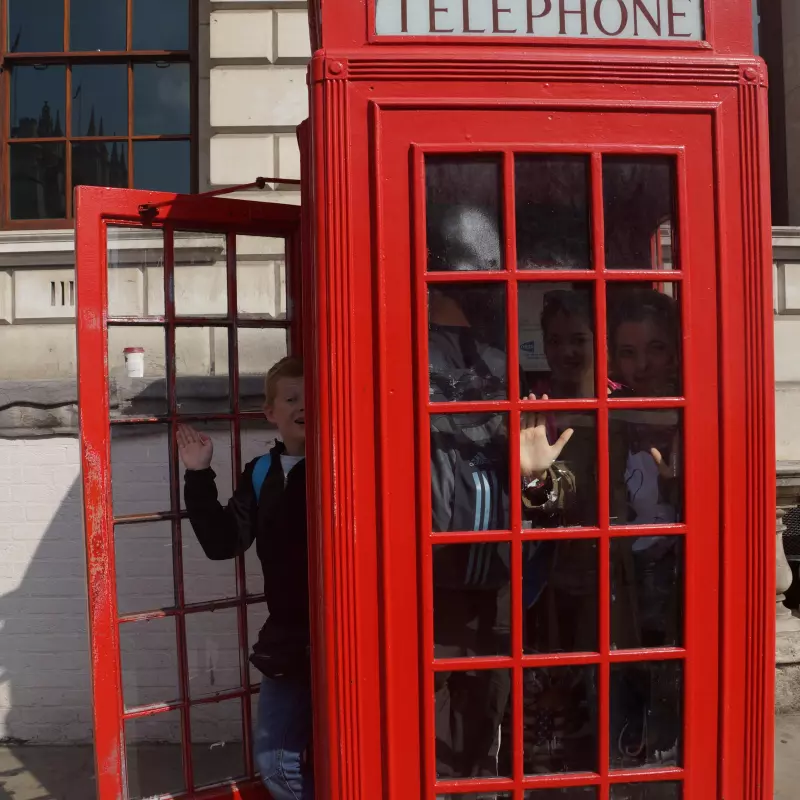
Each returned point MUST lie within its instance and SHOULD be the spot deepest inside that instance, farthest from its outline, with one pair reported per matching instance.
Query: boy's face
(288, 411)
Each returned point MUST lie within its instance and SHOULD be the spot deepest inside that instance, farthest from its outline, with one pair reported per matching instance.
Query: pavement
(67, 773)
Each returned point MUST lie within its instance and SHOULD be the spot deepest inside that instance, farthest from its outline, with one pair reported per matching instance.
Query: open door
(183, 303)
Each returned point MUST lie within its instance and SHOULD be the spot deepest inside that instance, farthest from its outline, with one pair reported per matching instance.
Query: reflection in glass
(139, 469)
(644, 341)
(259, 349)
(134, 390)
(201, 367)
(568, 793)
(470, 707)
(559, 590)
(647, 791)
(161, 99)
(135, 260)
(143, 685)
(647, 592)
(469, 472)
(463, 213)
(560, 719)
(100, 100)
(217, 751)
(552, 210)
(466, 342)
(153, 760)
(646, 714)
(212, 650)
(38, 181)
(556, 339)
(160, 25)
(38, 101)
(201, 276)
(261, 276)
(100, 164)
(143, 567)
(472, 599)
(97, 25)
(162, 166)
(639, 211)
(35, 26)
(645, 466)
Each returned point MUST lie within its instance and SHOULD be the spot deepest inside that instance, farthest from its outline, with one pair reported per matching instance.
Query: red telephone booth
(492, 186)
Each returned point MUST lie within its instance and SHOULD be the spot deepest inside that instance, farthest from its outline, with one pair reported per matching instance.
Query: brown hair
(289, 367)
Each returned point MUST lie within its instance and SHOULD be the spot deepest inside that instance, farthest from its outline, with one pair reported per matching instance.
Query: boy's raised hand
(536, 454)
(195, 449)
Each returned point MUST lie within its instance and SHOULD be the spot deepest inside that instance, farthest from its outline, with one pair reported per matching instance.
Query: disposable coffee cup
(134, 361)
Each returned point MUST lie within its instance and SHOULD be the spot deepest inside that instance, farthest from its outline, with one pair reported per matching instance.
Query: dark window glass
(38, 180)
(162, 166)
(569, 793)
(160, 24)
(100, 100)
(552, 211)
(38, 101)
(161, 99)
(646, 714)
(100, 164)
(463, 213)
(35, 26)
(646, 592)
(97, 25)
(647, 791)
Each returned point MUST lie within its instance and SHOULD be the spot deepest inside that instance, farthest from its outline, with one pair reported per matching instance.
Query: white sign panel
(667, 20)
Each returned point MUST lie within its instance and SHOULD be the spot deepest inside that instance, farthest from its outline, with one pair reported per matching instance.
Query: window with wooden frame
(94, 92)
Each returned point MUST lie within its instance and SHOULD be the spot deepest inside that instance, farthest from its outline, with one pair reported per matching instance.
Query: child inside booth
(268, 508)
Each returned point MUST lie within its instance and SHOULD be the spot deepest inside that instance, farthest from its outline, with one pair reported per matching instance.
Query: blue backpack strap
(260, 471)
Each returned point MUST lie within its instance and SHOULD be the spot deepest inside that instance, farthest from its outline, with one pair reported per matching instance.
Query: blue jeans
(283, 736)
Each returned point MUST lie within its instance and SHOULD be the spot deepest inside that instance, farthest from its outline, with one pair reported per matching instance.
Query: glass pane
(100, 99)
(201, 367)
(149, 662)
(560, 719)
(472, 600)
(212, 649)
(154, 764)
(160, 24)
(644, 340)
(570, 793)
(137, 385)
(645, 467)
(38, 101)
(162, 166)
(469, 472)
(470, 707)
(217, 749)
(257, 614)
(100, 164)
(201, 276)
(556, 339)
(35, 26)
(97, 25)
(161, 99)
(559, 591)
(259, 349)
(261, 276)
(463, 213)
(647, 791)
(639, 210)
(647, 592)
(552, 210)
(140, 469)
(38, 181)
(646, 714)
(467, 342)
(143, 563)
(135, 260)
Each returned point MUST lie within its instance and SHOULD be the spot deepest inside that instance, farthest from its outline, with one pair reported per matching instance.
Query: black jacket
(276, 521)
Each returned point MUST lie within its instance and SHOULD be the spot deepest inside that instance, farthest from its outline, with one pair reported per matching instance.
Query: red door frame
(95, 209)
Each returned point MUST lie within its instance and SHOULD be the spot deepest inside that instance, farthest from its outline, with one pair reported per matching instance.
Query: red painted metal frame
(95, 210)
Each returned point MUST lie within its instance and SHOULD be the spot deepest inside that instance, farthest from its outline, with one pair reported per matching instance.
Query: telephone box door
(541, 273)
(183, 303)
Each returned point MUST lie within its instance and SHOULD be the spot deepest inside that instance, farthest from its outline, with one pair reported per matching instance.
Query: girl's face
(569, 348)
(645, 358)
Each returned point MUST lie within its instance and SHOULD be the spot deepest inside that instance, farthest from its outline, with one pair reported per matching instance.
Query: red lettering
(562, 14)
(433, 10)
(655, 23)
(548, 7)
(671, 14)
(467, 27)
(598, 18)
(496, 12)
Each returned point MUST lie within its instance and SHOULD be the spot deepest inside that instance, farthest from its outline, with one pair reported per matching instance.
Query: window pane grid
(602, 404)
